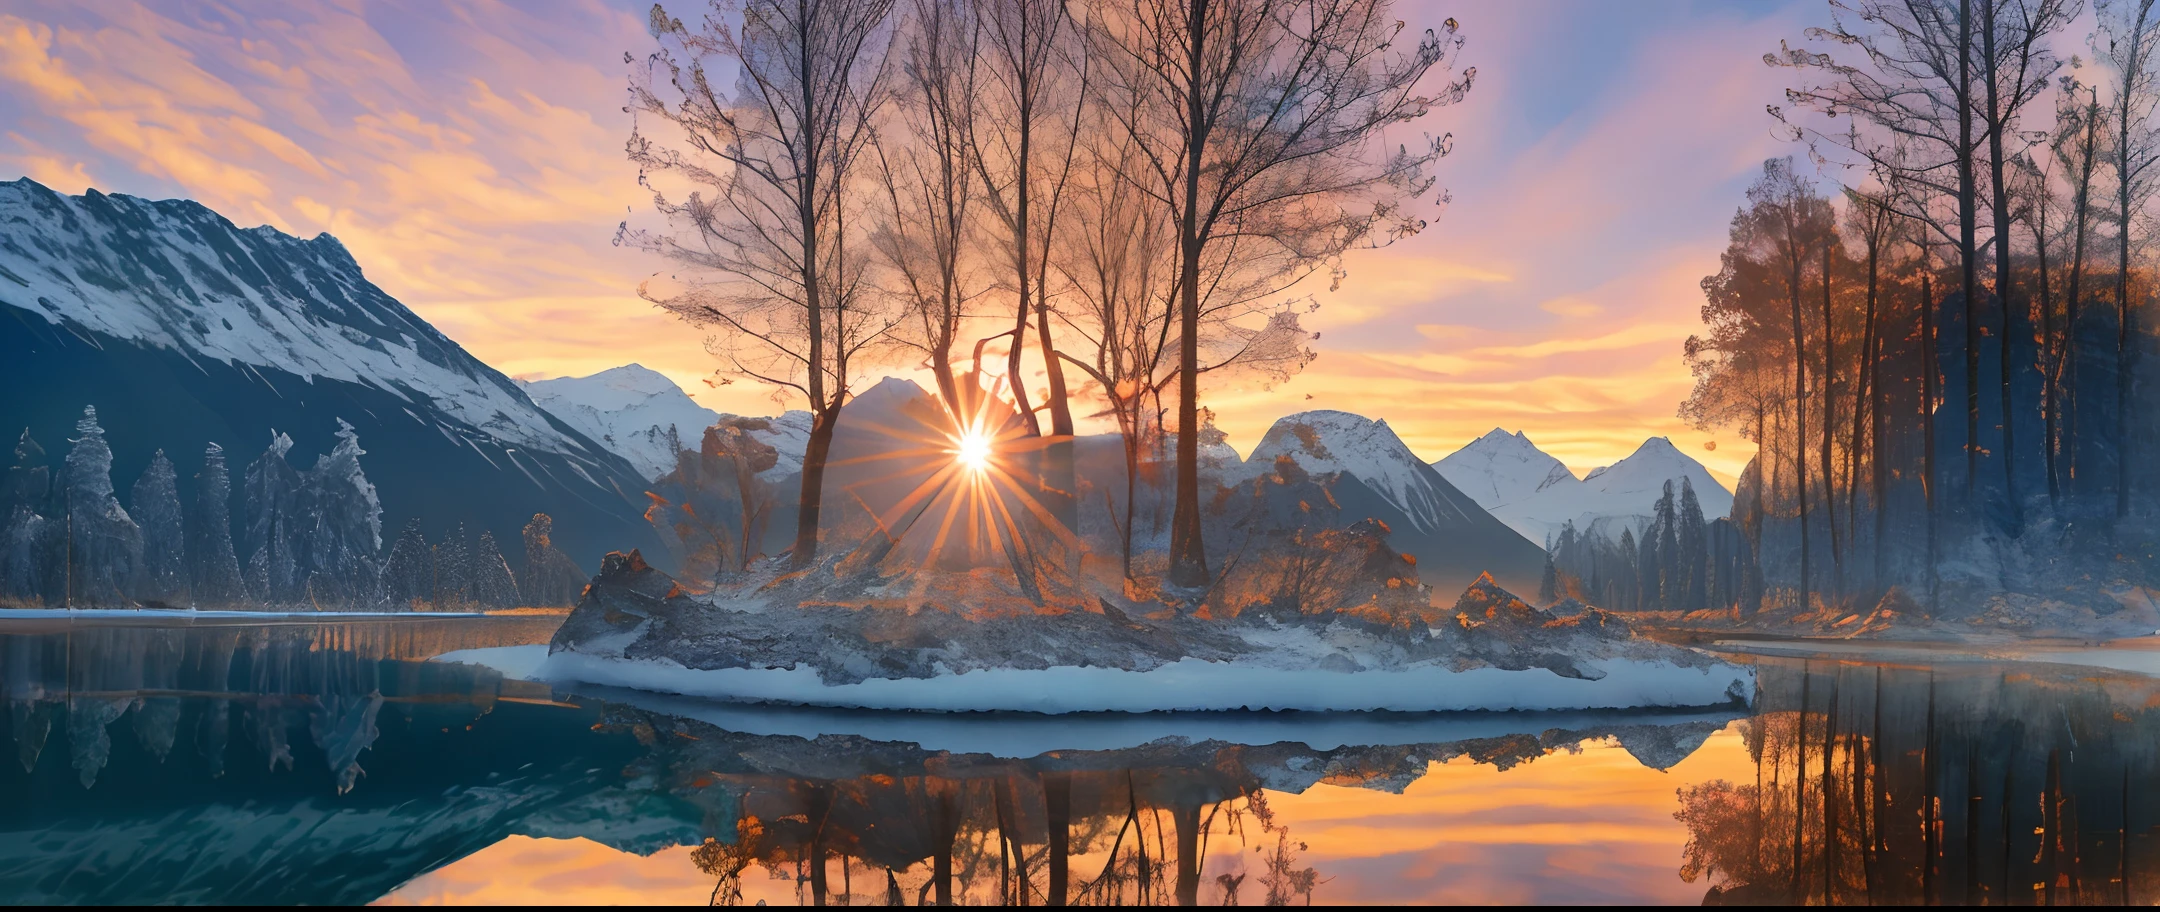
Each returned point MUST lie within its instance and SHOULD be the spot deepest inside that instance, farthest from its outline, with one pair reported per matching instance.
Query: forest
(312, 539)
(1939, 347)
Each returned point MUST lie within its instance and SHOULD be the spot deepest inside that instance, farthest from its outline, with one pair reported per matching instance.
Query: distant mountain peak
(1501, 468)
(1536, 494)
(633, 410)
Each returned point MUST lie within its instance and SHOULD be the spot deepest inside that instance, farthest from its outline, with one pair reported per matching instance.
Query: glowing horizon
(471, 159)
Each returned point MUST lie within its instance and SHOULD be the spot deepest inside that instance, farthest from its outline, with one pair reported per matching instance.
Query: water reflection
(322, 764)
(1959, 784)
(325, 763)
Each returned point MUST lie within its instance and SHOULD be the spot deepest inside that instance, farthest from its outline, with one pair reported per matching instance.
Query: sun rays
(970, 482)
(971, 449)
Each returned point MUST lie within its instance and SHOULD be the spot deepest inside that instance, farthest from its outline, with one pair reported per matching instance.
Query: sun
(973, 451)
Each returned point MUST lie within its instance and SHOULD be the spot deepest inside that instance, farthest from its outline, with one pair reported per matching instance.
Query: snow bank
(1184, 686)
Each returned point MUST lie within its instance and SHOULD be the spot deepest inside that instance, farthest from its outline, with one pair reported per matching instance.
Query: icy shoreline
(1189, 685)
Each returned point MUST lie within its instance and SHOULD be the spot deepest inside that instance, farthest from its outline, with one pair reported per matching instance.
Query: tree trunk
(1057, 812)
(1060, 486)
(1188, 853)
(813, 487)
(1800, 391)
(1878, 493)
(2051, 354)
(1998, 121)
(1829, 424)
(1928, 367)
(1188, 555)
(1968, 248)
(941, 368)
(2082, 211)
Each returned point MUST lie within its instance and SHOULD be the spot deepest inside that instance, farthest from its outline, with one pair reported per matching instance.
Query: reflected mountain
(329, 763)
(1952, 785)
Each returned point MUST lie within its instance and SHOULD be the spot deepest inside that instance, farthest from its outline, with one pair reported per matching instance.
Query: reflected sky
(1594, 826)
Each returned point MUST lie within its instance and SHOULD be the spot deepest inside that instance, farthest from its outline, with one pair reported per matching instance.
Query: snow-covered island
(882, 643)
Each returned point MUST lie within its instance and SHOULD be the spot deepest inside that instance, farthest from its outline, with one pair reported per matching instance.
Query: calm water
(330, 763)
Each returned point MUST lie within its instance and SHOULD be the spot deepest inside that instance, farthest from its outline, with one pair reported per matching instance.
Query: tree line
(1683, 561)
(1117, 197)
(1938, 353)
(312, 538)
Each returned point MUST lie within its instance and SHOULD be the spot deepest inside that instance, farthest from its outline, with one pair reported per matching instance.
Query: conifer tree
(1548, 590)
(269, 489)
(408, 576)
(104, 544)
(493, 584)
(453, 570)
(26, 534)
(550, 578)
(1694, 555)
(215, 570)
(1629, 562)
(156, 502)
(1668, 546)
(342, 519)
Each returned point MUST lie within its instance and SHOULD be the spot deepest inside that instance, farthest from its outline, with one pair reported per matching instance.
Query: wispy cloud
(470, 155)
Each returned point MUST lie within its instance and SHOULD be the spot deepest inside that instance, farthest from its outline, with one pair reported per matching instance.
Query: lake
(239, 761)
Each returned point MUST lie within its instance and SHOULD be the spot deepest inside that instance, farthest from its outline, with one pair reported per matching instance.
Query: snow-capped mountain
(1453, 538)
(183, 329)
(1502, 468)
(1618, 497)
(633, 410)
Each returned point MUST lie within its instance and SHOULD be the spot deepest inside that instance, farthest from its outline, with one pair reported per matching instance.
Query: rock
(626, 593)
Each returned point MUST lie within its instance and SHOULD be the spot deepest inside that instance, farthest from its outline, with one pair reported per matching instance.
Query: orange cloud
(470, 156)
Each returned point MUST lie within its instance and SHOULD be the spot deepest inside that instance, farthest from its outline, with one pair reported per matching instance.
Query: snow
(1190, 685)
(1327, 441)
(1608, 500)
(630, 410)
(1502, 468)
(175, 275)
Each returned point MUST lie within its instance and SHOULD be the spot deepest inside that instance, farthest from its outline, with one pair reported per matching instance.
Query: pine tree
(493, 584)
(1694, 559)
(269, 489)
(28, 542)
(1548, 590)
(1629, 583)
(104, 544)
(1668, 557)
(342, 518)
(550, 578)
(156, 502)
(453, 570)
(29, 482)
(215, 571)
(408, 575)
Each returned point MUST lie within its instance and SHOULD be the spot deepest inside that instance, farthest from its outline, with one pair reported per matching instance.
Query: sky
(470, 154)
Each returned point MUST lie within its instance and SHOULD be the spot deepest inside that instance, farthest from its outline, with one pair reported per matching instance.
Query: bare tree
(2080, 129)
(2128, 38)
(768, 257)
(931, 188)
(1873, 221)
(1915, 93)
(1116, 258)
(1025, 145)
(1256, 122)
(2015, 68)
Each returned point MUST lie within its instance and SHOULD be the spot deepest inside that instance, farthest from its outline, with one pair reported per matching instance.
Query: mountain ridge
(183, 329)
